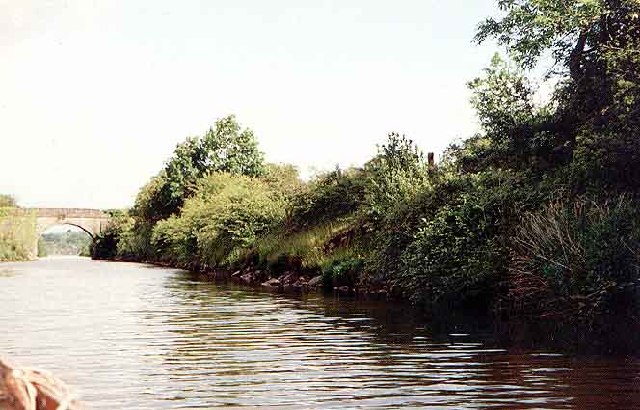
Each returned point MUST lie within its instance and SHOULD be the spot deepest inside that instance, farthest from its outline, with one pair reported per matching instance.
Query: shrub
(459, 249)
(397, 173)
(328, 197)
(222, 219)
(342, 272)
(174, 242)
(118, 240)
(7, 201)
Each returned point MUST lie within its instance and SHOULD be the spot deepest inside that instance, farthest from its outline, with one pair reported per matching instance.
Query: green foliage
(342, 272)
(283, 179)
(231, 149)
(226, 147)
(150, 204)
(577, 260)
(174, 242)
(531, 27)
(503, 100)
(133, 239)
(334, 195)
(395, 174)
(105, 245)
(17, 234)
(458, 249)
(114, 241)
(516, 134)
(7, 201)
(597, 99)
(330, 219)
(224, 217)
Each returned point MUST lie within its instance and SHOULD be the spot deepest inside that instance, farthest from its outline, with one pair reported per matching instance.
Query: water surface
(132, 336)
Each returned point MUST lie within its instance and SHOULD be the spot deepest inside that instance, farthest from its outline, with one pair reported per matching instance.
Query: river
(134, 336)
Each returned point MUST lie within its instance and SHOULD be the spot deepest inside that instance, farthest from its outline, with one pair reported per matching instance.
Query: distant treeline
(64, 243)
(538, 214)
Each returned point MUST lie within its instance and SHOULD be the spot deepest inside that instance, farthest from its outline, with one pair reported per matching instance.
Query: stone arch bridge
(92, 221)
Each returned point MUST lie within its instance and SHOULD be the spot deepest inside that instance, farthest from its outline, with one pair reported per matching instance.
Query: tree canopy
(595, 116)
(225, 147)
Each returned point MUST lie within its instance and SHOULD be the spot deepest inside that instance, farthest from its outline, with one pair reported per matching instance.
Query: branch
(576, 54)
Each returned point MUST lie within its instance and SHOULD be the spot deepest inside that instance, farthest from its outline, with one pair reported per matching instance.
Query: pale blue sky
(94, 95)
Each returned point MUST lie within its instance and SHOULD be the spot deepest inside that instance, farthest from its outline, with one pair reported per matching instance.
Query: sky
(95, 95)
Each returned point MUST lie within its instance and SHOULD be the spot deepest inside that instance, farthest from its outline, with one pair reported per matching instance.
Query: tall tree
(225, 147)
(595, 45)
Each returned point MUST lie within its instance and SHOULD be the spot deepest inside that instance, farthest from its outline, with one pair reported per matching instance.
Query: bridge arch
(64, 238)
(42, 228)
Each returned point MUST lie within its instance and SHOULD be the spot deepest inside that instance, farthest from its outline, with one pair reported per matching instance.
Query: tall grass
(576, 259)
(307, 248)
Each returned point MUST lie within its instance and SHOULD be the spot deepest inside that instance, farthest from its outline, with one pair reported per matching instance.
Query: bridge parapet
(63, 212)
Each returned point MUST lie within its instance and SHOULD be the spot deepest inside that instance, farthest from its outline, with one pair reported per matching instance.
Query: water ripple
(132, 336)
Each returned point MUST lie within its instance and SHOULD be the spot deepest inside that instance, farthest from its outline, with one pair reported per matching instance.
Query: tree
(516, 133)
(531, 27)
(226, 147)
(181, 173)
(502, 99)
(229, 148)
(153, 201)
(398, 171)
(594, 42)
(595, 46)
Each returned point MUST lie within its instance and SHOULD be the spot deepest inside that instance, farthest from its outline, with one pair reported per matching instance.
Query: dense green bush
(106, 244)
(327, 197)
(458, 249)
(224, 217)
(396, 174)
(225, 147)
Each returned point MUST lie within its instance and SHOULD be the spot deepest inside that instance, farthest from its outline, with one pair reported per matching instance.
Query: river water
(133, 336)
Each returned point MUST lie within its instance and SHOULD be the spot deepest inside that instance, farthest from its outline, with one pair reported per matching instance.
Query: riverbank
(536, 215)
(286, 282)
(492, 240)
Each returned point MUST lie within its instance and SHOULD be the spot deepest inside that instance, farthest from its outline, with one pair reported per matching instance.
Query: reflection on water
(133, 336)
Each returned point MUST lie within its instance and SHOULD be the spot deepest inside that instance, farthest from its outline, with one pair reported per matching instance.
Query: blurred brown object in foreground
(24, 389)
